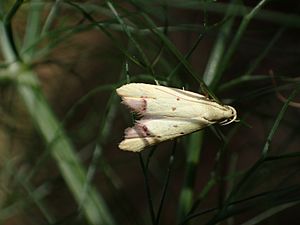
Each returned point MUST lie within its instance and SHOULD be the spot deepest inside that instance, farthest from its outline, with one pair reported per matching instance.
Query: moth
(167, 113)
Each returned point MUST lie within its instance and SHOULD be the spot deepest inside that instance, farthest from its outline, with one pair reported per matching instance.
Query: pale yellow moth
(167, 113)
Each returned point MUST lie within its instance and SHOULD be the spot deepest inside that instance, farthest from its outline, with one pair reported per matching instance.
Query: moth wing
(172, 107)
(147, 132)
(155, 100)
(138, 90)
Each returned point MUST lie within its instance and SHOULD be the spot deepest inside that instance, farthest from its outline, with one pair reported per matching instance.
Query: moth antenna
(233, 119)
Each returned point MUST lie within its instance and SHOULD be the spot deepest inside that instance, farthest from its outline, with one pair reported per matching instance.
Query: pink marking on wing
(139, 130)
(138, 105)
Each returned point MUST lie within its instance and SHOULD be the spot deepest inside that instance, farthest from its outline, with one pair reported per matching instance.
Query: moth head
(231, 115)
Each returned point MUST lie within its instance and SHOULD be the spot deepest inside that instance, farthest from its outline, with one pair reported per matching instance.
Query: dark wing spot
(145, 129)
(175, 126)
(173, 108)
(145, 96)
(182, 133)
(144, 106)
(177, 98)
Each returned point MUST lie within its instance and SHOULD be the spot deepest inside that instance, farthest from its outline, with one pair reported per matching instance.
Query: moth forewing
(174, 107)
(150, 131)
(168, 113)
(155, 91)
